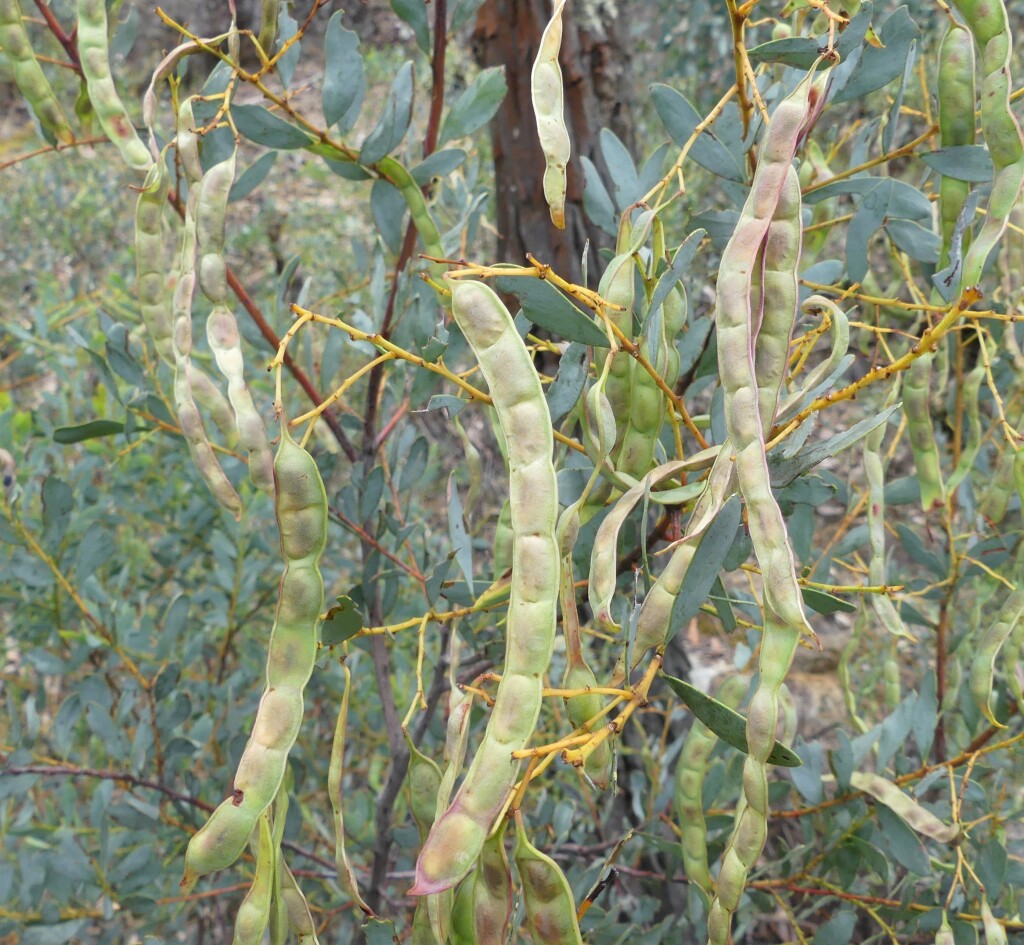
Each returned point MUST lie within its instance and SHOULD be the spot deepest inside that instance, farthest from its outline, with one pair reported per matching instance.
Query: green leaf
(970, 162)
(87, 431)
(394, 121)
(476, 105)
(879, 66)
(621, 170)
(565, 390)
(438, 164)
(252, 176)
(902, 842)
(801, 52)
(343, 621)
(915, 240)
(785, 469)
(380, 932)
(414, 12)
(389, 208)
(344, 82)
(703, 571)
(824, 603)
(96, 549)
(680, 119)
(287, 27)
(596, 203)
(680, 263)
(414, 466)
(869, 216)
(838, 930)
(726, 723)
(58, 501)
(457, 533)
(259, 125)
(545, 306)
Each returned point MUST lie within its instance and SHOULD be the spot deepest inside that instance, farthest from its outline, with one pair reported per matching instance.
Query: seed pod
(151, 261)
(546, 95)
(94, 56)
(989, 22)
(300, 919)
(346, 875)
(691, 771)
(254, 912)
(945, 934)
(905, 807)
(301, 506)
(29, 77)
(550, 909)
(992, 638)
(995, 934)
(917, 407)
(457, 836)
(784, 620)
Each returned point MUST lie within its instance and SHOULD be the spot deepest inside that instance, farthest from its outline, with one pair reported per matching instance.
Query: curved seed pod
(268, 25)
(419, 212)
(335, 771)
(905, 807)
(278, 906)
(691, 770)
(546, 95)
(605, 553)
(491, 891)
(578, 675)
(254, 912)
(550, 909)
(94, 55)
(956, 123)
(300, 920)
(211, 215)
(972, 443)
(301, 507)
(221, 327)
(995, 934)
(992, 638)
(848, 654)
(150, 261)
(181, 305)
(917, 407)
(618, 287)
(457, 836)
(208, 395)
(945, 934)
(839, 328)
(462, 931)
(881, 604)
(784, 619)
(774, 304)
(989, 22)
(28, 76)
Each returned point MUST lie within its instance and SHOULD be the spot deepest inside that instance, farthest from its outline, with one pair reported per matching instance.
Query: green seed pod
(550, 909)
(546, 95)
(94, 56)
(945, 934)
(457, 837)
(29, 77)
(254, 912)
(290, 660)
(492, 891)
(991, 639)
(989, 21)
(917, 407)
(995, 934)
(691, 770)
(905, 807)
(268, 25)
(462, 931)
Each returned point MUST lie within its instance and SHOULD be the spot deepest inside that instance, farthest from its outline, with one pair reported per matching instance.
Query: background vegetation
(136, 610)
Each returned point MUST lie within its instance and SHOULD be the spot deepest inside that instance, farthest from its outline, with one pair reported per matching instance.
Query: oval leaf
(726, 723)
(259, 125)
(545, 306)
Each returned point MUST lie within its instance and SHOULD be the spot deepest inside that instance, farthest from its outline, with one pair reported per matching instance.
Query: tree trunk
(598, 93)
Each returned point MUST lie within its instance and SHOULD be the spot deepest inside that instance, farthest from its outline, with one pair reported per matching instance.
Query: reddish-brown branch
(66, 40)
